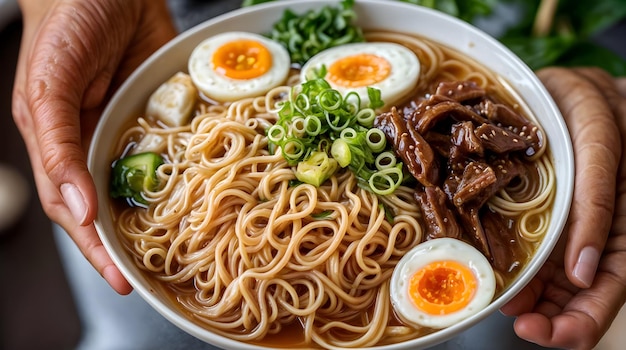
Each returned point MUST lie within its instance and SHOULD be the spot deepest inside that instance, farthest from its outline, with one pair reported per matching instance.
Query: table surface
(59, 296)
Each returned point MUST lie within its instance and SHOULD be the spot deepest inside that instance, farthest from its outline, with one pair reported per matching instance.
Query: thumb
(58, 132)
(55, 88)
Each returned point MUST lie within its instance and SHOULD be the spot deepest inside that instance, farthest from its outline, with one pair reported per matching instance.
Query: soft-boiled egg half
(235, 65)
(389, 67)
(441, 282)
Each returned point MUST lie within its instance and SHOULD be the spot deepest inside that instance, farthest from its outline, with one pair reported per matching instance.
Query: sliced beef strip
(465, 139)
(460, 91)
(439, 219)
(477, 181)
(507, 254)
(507, 118)
(470, 219)
(499, 140)
(440, 143)
(427, 116)
(410, 146)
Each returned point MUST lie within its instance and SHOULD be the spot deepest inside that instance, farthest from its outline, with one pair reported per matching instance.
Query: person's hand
(73, 54)
(581, 288)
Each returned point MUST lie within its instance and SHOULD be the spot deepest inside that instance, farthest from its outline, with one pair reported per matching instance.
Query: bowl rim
(558, 220)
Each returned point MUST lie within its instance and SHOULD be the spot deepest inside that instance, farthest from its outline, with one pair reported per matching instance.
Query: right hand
(73, 55)
(575, 290)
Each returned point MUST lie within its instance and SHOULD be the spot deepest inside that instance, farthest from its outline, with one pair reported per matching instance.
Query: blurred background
(51, 298)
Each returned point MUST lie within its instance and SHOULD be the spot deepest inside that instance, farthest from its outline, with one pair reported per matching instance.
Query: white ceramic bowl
(375, 14)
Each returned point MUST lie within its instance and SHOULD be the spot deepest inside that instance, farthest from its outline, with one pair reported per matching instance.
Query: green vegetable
(316, 169)
(324, 215)
(320, 131)
(305, 35)
(389, 212)
(135, 174)
(340, 150)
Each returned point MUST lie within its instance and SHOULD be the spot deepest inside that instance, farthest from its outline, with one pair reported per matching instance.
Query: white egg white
(222, 88)
(405, 69)
(434, 250)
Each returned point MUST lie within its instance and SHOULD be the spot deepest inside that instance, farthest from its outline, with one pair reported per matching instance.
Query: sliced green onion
(385, 160)
(330, 100)
(302, 103)
(375, 139)
(385, 182)
(325, 215)
(316, 169)
(319, 130)
(366, 117)
(324, 145)
(312, 125)
(298, 126)
(335, 123)
(340, 151)
(348, 134)
(276, 133)
(352, 102)
(293, 149)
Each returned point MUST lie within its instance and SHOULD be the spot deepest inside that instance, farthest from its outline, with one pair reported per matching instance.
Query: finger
(614, 91)
(525, 300)
(621, 86)
(591, 309)
(546, 287)
(562, 331)
(596, 147)
(85, 237)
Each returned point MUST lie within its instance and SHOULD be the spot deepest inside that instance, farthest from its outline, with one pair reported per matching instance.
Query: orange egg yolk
(442, 287)
(242, 59)
(358, 70)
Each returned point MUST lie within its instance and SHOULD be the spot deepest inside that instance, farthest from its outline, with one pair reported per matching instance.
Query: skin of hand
(73, 55)
(581, 288)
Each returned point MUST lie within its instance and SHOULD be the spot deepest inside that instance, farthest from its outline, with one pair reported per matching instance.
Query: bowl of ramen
(325, 174)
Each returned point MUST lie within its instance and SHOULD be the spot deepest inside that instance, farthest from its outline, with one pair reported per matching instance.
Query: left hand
(571, 304)
(73, 55)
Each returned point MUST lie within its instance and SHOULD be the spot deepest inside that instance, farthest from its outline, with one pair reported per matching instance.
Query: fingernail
(585, 269)
(74, 201)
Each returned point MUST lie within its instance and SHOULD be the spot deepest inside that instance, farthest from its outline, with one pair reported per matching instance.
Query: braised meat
(410, 146)
(441, 221)
(463, 147)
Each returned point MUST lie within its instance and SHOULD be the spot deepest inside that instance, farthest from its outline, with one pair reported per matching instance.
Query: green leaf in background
(567, 41)
(466, 10)
(590, 17)
(586, 54)
(253, 2)
(540, 52)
